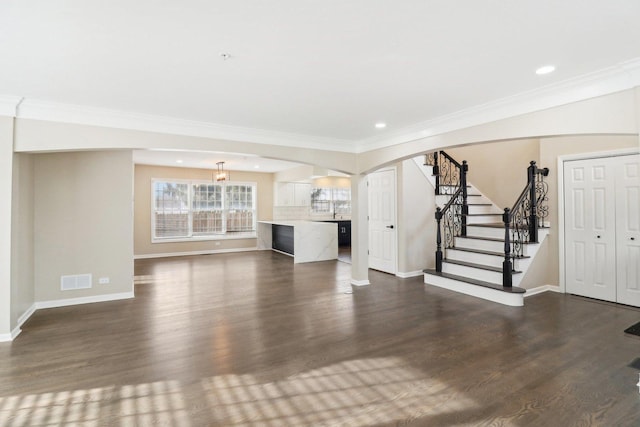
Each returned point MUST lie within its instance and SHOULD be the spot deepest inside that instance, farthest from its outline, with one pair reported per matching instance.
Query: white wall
(22, 286)
(38, 136)
(416, 225)
(612, 114)
(83, 222)
(6, 176)
(499, 169)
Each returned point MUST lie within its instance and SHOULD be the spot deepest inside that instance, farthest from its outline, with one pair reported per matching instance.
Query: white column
(6, 177)
(359, 230)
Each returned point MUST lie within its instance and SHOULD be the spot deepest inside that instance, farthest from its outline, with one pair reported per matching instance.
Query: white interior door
(590, 234)
(382, 221)
(628, 230)
(602, 228)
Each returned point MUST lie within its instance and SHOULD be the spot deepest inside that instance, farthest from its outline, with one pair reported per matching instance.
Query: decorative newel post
(438, 241)
(533, 207)
(506, 264)
(465, 206)
(436, 171)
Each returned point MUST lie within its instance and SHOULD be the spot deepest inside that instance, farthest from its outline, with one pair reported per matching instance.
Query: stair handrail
(448, 172)
(452, 226)
(452, 175)
(522, 221)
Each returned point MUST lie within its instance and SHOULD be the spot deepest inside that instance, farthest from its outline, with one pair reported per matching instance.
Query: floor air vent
(77, 281)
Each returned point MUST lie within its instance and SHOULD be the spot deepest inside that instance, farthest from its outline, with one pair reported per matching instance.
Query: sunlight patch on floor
(140, 404)
(355, 393)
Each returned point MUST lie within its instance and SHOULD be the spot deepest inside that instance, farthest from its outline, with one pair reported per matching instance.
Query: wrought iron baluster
(525, 217)
(438, 240)
(507, 267)
(465, 206)
(533, 211)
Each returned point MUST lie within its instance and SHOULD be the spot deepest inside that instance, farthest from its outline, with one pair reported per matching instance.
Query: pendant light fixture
(221, 175)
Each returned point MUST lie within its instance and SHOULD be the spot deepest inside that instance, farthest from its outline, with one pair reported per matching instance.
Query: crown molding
(78, 114)
(617, 78)
(9, 105)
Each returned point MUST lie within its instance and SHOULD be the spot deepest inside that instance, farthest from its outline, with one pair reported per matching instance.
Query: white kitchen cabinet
(292, 194)
(302, 194)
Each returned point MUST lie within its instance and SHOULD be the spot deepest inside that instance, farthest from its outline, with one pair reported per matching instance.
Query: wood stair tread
(483, 252)
(491, 225)
(490, 239)
(512, 289)
(478, 266)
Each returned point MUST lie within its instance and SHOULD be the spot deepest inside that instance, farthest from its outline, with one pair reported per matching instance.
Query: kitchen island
(305, 241)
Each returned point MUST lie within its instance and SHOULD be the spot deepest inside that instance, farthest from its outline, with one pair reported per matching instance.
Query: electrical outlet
(103, 280)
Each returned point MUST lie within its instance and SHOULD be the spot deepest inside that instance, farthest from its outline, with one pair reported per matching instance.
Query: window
(171, 211)
(184, 210)
(239, 210)
(207, 209)
(331, 200)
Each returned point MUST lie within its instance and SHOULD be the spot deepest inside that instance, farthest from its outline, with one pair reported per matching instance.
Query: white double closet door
(602, 228)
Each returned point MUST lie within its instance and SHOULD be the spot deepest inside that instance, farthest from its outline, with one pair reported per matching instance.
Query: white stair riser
(480, 274)
(442, 200)
(482, 209)
(472, 273)
(488, 260)
(484, 219)
(485, 245)
(492, 232)
(516, 300)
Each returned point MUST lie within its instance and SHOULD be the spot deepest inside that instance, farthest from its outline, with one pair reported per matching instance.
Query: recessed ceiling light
(545, 70)
(256, 167)
(179, 161)
(381, 125)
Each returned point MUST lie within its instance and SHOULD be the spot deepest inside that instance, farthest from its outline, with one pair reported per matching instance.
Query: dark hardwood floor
(252, 339)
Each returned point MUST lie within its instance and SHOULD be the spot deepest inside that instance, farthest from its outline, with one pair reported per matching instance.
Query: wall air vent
(77, 281)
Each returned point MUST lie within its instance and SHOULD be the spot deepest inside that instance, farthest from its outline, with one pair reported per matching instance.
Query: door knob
(598, 237)
(633, 238)
(389, 226)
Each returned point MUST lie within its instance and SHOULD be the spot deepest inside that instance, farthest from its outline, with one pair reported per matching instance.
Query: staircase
(484, 251)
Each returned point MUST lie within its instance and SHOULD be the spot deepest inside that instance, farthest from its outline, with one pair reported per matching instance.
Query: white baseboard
(83, 300)
(355, 282)
(16, 331)
(407, 274)
(26, 315)
(207, 252)
(61, 303)
(489, 294)
(541, 289)
(10, 336)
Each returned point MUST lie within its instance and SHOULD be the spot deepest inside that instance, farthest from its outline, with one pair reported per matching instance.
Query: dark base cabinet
(282, 238)
(344, 232)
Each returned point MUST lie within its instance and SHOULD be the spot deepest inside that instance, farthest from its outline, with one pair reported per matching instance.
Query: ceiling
(326, 69)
